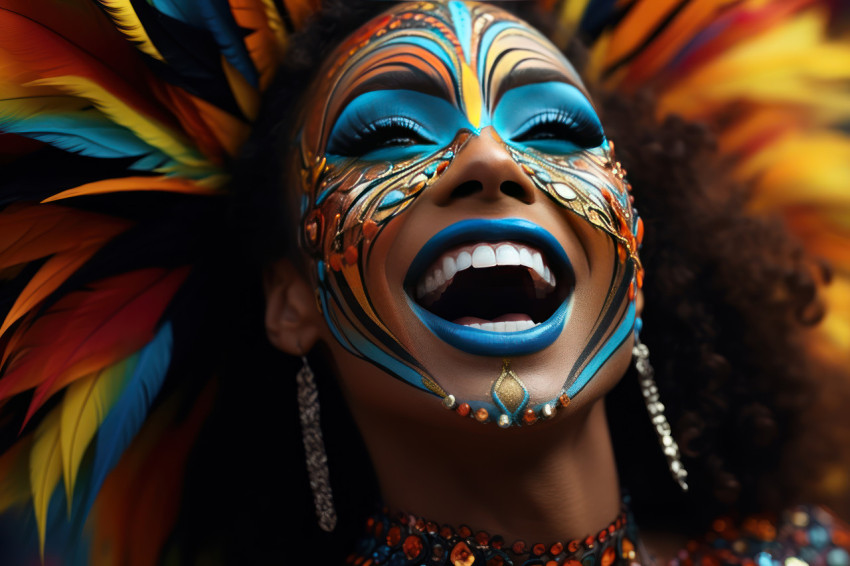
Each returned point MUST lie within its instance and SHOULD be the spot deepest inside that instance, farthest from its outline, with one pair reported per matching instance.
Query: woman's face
(471, 232)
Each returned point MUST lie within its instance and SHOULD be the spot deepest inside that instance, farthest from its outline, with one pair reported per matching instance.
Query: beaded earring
(314, 447)
(655, 408)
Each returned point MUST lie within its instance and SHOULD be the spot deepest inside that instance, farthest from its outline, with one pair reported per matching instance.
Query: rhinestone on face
(504, 421)
(449, 402)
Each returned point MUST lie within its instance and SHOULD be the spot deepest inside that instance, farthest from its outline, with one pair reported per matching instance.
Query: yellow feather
(127, 22)
(148, 130)
(45, 470)
(85, 405)
(789, 64)
(274, 22)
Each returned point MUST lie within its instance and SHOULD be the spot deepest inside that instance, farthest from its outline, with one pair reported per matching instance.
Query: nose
(484, 170)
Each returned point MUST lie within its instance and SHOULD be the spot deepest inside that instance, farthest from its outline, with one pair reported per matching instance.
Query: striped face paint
(390, 112)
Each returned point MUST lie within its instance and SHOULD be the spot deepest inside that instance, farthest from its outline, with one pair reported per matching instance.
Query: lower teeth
(507, 326)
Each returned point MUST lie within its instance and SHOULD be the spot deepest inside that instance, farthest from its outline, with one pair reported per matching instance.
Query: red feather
(87, 331)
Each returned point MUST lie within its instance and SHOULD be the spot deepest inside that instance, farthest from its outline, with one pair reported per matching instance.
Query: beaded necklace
(404, 539)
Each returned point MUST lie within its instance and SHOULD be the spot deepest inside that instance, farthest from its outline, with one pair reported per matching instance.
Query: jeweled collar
(402, 539)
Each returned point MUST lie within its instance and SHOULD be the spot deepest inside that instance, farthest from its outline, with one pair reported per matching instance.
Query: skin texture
(550, 481)
(420, 123)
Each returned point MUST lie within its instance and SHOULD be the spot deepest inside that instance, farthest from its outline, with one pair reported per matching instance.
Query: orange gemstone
(420, 525)
(463, 409)
(538, 549)
(351, 255)
(564, 400)
(640, 230)
(608, 557)
(632, 291)
(481, 415)
(588, 542)
(527, 170)
(446, 532)
(529, 417)
(573, 546)
(482, 538)
(394, 536)
(603, 534)
(464, 531)
(412, 547)
(639, 277)
(519, 547)
(442, 166)
(461, 555)
(431, 527)
(497, 542)
(556, 549)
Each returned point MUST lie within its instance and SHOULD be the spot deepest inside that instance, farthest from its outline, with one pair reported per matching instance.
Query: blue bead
(638, 325)
(763, 559)
(431, 169)
(818, 537)
(837, 557)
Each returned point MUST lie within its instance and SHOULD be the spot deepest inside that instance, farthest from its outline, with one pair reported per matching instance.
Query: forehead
(467, 53)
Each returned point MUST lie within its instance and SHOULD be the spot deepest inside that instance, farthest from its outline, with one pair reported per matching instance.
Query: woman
(433, 133)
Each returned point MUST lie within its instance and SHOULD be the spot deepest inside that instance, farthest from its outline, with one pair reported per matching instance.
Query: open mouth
(492, 287)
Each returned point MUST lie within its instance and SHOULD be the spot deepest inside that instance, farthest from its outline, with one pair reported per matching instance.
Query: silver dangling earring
(314, 447)
(656, 413)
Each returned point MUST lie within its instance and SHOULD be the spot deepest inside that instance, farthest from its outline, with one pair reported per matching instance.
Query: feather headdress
(105, 104)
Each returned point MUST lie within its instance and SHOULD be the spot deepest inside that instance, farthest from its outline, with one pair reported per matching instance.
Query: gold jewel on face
(394, 106)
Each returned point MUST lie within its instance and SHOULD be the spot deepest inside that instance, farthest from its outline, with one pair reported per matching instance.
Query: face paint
(392, 108)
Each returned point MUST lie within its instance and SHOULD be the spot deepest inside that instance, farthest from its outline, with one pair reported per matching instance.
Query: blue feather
(186, 12)
(219, 21)
(129, 412)
(87, 133)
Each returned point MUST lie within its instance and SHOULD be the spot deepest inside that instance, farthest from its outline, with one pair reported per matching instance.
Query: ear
(293, 322)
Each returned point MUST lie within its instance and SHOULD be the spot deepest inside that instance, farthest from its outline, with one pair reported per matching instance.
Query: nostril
(466, 189)
(515, 190)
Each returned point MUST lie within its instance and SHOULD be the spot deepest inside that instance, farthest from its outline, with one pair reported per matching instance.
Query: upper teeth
(440, 274)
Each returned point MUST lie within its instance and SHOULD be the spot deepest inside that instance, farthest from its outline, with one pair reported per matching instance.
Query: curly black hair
(728, 297)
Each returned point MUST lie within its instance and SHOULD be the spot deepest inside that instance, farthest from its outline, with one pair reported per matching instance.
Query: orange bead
(442, 166)
(412, 547)
(564, 400)
(351, 255)
(556, 549)
(632, 291)
(463, 409)
(464, 531)
(538, 549)
(529, 417)
(394, 536)
(481, 415)
(519, 547)
(370, 228)
(608, 557)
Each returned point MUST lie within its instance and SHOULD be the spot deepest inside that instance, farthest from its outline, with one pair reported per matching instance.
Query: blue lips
(483, 342)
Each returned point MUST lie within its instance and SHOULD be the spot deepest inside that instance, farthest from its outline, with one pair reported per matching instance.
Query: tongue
(510, 317)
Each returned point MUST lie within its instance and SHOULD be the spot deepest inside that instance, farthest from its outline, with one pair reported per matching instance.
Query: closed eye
(574, 128)
(388, 132)
(551, 117)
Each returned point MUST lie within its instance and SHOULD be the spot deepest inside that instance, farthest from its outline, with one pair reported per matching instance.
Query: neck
(551, 481)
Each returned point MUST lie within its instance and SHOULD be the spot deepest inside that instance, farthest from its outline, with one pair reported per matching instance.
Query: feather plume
(87, 331)
(129, 411)
(126, 20)
(219, 21)
(267, 38)
(45, 470)
(84, 407)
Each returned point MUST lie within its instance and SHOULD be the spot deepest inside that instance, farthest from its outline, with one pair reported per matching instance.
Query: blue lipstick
(483, 342)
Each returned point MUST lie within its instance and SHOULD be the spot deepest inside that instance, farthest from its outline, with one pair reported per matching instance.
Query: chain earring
(314, 447)
(656, 412)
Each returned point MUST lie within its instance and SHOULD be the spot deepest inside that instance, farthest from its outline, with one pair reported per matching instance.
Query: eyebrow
(531, 75)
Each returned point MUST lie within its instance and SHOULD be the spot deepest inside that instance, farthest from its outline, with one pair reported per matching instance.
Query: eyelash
(393, 131)
(562, 125)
